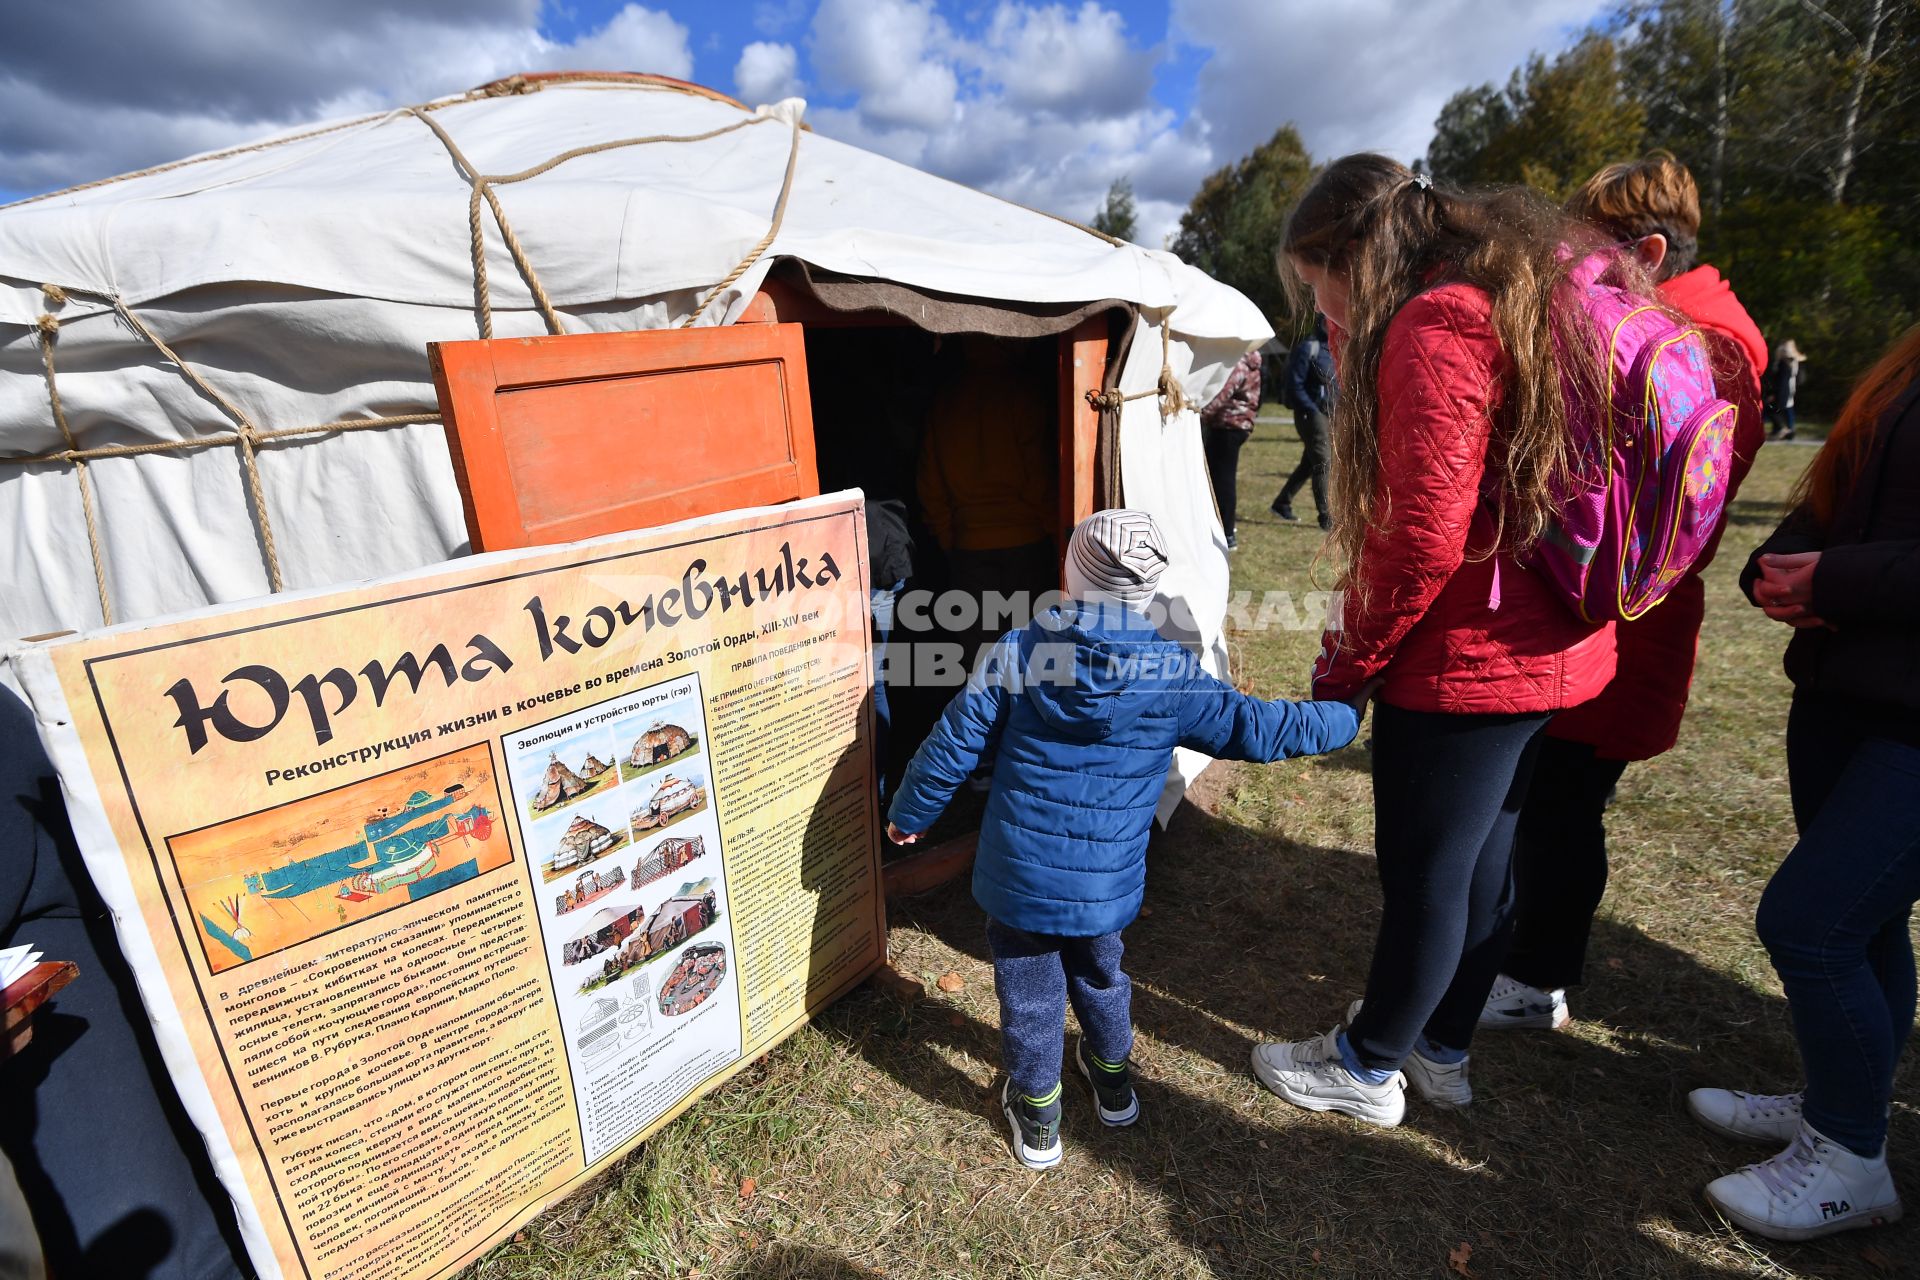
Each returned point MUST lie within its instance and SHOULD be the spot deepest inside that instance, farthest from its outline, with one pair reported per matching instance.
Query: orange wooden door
(559, 438)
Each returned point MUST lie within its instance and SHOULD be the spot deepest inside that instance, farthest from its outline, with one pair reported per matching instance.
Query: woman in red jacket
(1560, 851)
(1455, 342)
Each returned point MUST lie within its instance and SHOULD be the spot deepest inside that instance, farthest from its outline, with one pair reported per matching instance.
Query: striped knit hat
(1116, 555)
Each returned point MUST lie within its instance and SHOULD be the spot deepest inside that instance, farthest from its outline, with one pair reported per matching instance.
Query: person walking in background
(1560, 851)
(1087, 704)
(1308, 391)
(1786, 384)
(1843, 569)
(1227, 422)
(1451, 440)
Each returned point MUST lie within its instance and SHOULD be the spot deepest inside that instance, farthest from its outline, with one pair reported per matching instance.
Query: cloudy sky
(1045, 103)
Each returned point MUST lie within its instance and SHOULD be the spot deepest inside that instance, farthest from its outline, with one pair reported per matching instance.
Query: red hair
(1834, 469)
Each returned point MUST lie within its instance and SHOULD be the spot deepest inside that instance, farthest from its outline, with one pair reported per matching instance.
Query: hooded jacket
(1638, 715)
(1454, 622)
(1084, 708)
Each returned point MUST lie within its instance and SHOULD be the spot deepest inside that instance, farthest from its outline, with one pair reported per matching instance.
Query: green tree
(1554, 124)
(1232, 228)
(1118, 217)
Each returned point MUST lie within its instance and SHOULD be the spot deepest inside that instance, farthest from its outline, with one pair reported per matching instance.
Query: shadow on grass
(798, 1262)
(1577, 1158)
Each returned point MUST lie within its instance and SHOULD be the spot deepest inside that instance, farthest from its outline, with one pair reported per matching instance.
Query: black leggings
(1447, 791)
(1560, 864)
(1223, 464)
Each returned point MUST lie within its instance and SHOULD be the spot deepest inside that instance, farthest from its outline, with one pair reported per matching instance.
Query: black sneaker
(1283, 509)
(1035, 1126)
(1112, 1087)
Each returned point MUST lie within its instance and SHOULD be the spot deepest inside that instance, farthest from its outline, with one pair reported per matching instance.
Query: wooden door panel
(555, 439)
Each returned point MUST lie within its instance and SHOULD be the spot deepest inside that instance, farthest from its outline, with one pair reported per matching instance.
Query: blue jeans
(1036, 974)
(1834, 918)
(1447, 793)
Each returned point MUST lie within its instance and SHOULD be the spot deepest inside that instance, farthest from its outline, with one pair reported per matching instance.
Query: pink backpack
(1654, 458)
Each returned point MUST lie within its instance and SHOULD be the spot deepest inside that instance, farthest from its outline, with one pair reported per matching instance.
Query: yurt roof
(238, 341)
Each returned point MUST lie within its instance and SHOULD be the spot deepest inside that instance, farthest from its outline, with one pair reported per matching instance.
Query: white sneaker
(1751, 1117)
(1311, 1074)
(1517, 1006)
(1813, 1188)
(1442, 1083)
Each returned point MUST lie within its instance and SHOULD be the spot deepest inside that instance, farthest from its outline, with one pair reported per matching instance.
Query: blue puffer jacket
(1086, 707)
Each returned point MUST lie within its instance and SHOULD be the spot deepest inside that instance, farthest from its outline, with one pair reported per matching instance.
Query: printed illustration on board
(262, 883)
(696, 976)
(677, 796)
(623, 938)
(578, 843)
(655, 741)
(567, 778)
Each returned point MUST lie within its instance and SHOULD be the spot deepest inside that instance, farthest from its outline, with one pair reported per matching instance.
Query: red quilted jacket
(1638, 716)
(1451, 627)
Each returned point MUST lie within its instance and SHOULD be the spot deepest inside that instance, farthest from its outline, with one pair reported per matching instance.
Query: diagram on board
(264, 882)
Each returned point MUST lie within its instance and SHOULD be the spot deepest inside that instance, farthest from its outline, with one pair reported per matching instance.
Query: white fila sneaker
(1444, 1084)
(1311, 1074)
(1813, 1188)
(1751, 1117)
(1515, 1006)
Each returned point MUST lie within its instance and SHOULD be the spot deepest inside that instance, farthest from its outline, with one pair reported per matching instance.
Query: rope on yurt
(1173, 397)
(773, 229)
(483, 188)
(49, 326)
(244, 429)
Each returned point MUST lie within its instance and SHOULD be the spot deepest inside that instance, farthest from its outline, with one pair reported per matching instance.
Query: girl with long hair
(1459, 341)
(1843, 570)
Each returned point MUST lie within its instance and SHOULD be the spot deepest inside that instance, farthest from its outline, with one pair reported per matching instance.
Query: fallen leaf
(1459, 1257)
(747, 1186)
(951, 982)
(1615, 962)
(1877, 1260)
(1316, 1255)
(519, 1237)
(1145, 910)
(1263, 1144)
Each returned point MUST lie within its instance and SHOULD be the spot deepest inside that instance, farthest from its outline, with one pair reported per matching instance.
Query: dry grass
(873, 1138)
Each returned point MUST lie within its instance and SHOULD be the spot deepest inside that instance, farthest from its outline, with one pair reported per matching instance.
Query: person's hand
(898, 836)
(1784, 590)
(1360, 700)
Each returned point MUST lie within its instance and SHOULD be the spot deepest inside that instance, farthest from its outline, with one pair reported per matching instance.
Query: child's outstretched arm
(965, 729)
(1226, 724)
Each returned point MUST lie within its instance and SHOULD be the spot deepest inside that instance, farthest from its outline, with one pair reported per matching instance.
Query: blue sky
(1042, 102)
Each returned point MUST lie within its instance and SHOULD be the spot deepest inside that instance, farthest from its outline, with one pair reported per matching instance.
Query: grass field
(870, 1143)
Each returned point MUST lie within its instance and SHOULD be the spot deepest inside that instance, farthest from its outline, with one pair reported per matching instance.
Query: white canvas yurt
(214, 379)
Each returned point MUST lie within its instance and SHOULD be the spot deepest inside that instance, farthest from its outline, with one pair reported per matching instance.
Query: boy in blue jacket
(1082, 710)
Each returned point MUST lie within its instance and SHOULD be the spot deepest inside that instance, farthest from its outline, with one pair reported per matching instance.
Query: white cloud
(1076, 63)
(767, 72)
(182, 79)
(892, 55)
(1046, 107)
(1362, 75)
(634, 39)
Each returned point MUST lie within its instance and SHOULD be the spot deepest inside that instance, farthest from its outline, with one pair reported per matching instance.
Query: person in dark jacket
(1308, 388)
(1085, 705)
(1227, 423)
(1560, 849)
(1786, 389)
(1843, 570)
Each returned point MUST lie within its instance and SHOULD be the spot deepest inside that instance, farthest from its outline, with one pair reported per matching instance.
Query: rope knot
(1173, 399)
(48, 324)
(512, 86)
(1105, 399)
(56, 296)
